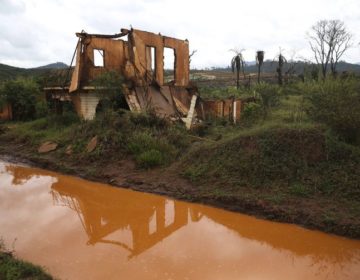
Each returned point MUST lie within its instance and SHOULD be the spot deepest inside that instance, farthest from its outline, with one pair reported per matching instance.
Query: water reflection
(104, 211)
(136, 222)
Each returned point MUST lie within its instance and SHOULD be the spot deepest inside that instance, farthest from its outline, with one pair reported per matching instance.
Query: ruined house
(138, 56)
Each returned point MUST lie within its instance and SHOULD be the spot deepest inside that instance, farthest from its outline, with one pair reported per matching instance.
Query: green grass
(151, 141)
(12, 268)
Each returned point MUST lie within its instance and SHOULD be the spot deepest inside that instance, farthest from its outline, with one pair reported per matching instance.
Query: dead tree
(238, 64)
(259, 61)
(191, 55)
(329, 39)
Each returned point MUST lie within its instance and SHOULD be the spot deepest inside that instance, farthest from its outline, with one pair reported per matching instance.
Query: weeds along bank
(294, 157)
(13, 268)
(144, 138)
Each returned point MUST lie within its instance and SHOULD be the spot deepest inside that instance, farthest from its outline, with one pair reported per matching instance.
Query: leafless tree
(259, 61)
(329, 39)
(238, 64)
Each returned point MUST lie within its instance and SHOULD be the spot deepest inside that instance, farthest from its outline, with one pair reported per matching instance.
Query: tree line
(328, 40)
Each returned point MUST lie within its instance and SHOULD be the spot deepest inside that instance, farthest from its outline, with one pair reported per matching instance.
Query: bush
(269, 95)
(336, 103)
(150, 159)
(150, 151)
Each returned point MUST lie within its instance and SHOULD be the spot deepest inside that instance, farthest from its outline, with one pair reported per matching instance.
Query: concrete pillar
(85, 105)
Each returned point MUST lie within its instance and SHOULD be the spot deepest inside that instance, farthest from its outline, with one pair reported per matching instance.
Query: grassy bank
(12, 268)
(284, 161)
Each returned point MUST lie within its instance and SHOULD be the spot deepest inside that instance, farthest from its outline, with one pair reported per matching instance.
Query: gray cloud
(11, 7)
(34, 32)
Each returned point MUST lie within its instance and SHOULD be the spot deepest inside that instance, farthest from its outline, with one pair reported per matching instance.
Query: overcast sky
(38, 32)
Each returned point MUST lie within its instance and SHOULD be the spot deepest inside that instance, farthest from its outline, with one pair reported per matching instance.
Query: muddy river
(79, 229)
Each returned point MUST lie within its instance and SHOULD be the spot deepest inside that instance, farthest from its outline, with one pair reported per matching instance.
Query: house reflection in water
(184, 238)
(103, 212)
(107, 211)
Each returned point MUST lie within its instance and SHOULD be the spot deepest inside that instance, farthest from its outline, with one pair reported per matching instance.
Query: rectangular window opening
(151, 61)
(98, 58)
(169, 65)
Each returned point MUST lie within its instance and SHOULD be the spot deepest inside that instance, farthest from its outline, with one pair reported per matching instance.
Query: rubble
(92, 144)
(47, 147)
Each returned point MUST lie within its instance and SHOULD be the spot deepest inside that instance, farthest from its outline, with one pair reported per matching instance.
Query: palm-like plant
(259, 61)
(281, 60)
(238, 64)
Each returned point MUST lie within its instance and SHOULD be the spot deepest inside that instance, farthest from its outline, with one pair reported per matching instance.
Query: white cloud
(35, 32)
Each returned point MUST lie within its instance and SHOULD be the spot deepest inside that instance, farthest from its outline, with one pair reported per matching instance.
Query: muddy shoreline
(167, 182)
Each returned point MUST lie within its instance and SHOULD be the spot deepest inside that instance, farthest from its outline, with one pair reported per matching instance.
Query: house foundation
(85, 104)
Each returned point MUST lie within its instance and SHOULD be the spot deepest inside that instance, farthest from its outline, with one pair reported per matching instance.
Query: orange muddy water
(84, 230)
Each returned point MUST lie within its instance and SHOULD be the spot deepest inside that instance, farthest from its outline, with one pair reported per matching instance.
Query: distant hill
(51, 74)
(56, 65)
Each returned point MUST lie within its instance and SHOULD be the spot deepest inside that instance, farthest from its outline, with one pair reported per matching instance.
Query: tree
(259, 61)
(23, 96)
(238, 63)
(329, 39)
